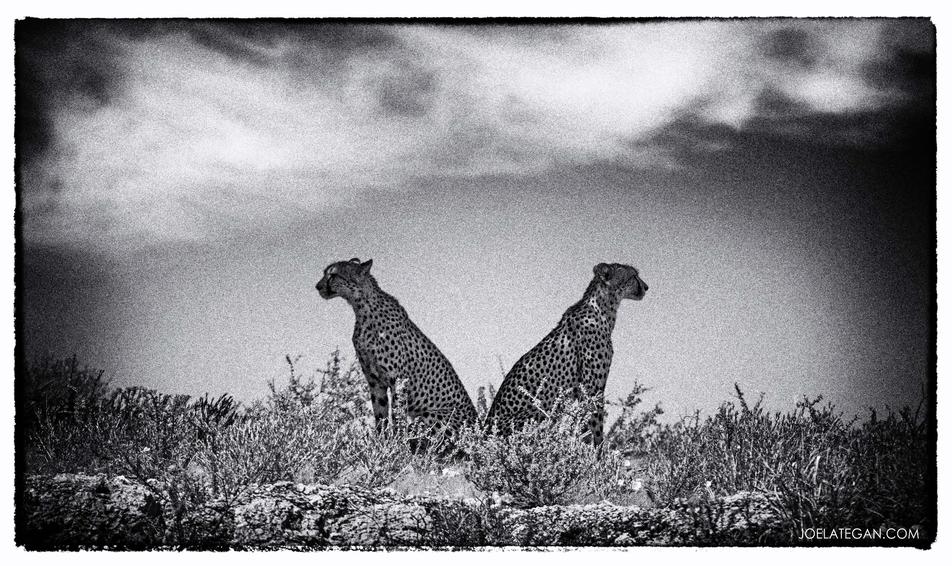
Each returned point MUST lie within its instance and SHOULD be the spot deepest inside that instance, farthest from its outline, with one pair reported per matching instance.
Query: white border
(485, 8)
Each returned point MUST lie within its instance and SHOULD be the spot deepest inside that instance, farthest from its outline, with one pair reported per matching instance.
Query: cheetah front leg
(596, 423)
(379, 400)
(596, 420)
(593, 379)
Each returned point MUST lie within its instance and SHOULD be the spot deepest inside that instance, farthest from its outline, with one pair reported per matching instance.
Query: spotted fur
(401, 364)
(574, 358)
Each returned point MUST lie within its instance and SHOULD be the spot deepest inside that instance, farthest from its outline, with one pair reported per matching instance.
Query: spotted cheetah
(396, 356)
(573, 358)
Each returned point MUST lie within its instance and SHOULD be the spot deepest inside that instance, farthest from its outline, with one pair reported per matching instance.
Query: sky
(182, 185)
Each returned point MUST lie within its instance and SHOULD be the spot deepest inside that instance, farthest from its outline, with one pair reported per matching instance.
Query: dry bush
(631, 432)
(56, 407)
(818, 469)
(547, 462)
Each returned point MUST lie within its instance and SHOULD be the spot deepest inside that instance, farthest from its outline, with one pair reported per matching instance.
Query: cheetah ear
(365, 267)
(355, 260)
(603, 271)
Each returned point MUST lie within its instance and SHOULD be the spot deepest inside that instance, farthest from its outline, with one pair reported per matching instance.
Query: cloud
(132, 132)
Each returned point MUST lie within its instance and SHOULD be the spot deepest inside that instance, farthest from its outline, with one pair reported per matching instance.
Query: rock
(743, 518)
(76, 511)
(79, 511)
(624, 540)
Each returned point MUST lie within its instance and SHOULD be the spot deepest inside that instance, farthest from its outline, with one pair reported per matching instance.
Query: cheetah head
(343, 278)
(623, 279)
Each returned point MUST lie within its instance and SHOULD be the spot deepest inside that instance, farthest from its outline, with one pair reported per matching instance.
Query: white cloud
(193, 125)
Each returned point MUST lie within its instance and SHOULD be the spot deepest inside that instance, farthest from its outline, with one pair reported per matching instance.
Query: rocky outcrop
(744, 518)
(88, 511)
(76, 511)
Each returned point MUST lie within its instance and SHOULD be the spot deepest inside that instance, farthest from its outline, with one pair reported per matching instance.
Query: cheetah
(396, 356)
(573, 358)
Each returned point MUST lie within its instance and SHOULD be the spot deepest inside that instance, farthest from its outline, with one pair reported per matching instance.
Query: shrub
(146, 432)
(303, 430)
(375, 457)
(56, 407)
(818, 469)
(631, 432)
(548, 462)
(269, 446)
(894, 459)
(322, 430)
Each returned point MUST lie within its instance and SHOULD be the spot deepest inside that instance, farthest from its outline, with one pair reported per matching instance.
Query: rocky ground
(77, 511)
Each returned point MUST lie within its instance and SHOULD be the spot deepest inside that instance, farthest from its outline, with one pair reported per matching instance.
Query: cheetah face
(342, 278)
(637, 288)
(324, 285)
(631, 284)
(624, 279)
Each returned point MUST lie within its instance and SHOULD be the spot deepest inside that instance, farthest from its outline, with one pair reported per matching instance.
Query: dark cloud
(329, 47)
(908, 63)
(60, 63)
(693, 140)
(240, 42)
(881, 128)
(773, 104)
(903, 73)
(911, 72)
(265, 42)
(689, 138)
(910, 34)
(464, 146)
(522, 33)
(408, 91)
(791, 46)
(345, 38)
